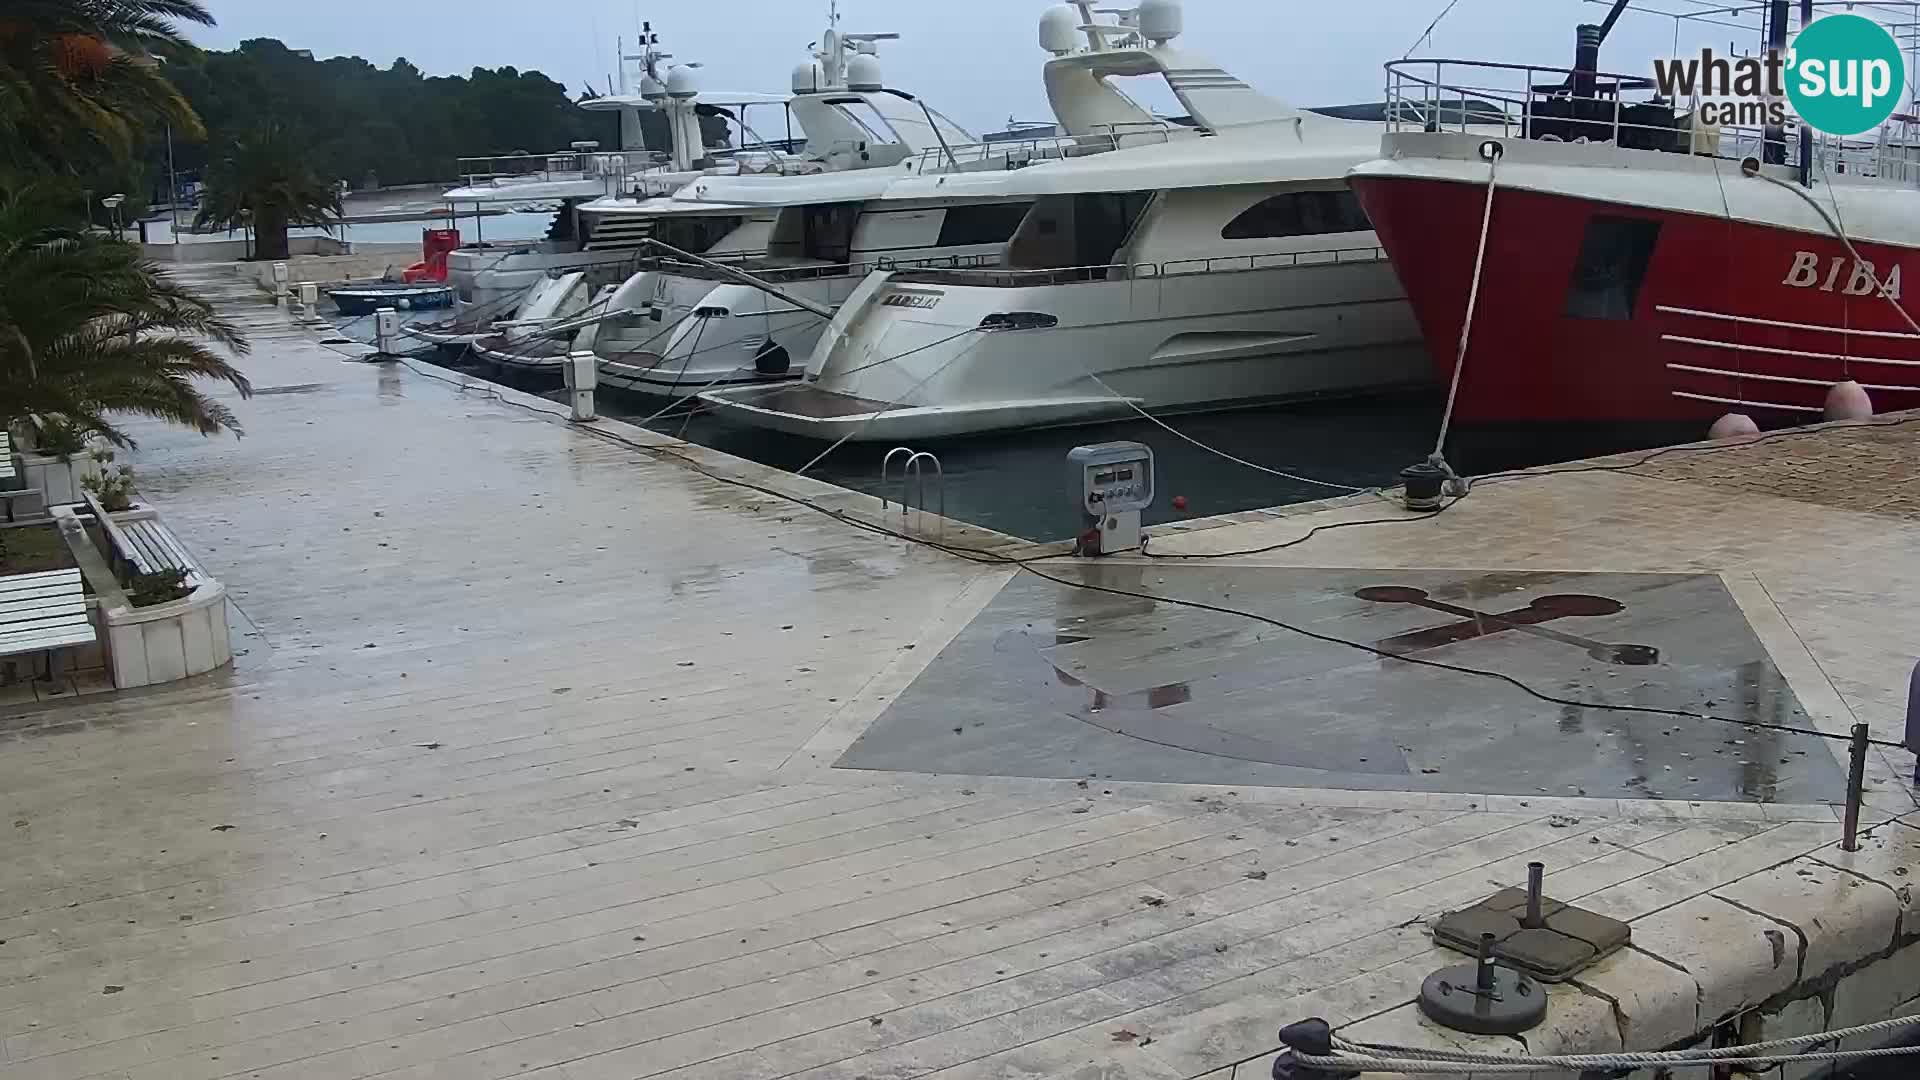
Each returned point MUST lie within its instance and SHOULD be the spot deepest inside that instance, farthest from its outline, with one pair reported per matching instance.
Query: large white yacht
(492, 281)
(699, 327)
(1216, 270)
(811, 235)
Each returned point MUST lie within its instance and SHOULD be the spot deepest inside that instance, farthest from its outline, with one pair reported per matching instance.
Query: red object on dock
(435, 245)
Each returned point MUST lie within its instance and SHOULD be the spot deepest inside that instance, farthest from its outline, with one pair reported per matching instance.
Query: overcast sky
(976, 60)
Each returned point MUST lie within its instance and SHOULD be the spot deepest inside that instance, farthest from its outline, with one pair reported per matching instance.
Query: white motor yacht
(699, 327)
(1231, 267)
(493, 280)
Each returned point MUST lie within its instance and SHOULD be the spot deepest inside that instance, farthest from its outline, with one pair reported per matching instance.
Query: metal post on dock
(1856, 786)
(1913, 720)
(1536, 888)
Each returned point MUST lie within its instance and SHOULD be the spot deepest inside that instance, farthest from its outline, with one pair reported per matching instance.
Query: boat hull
(693, 334)
(1091, 350)
(1726, 315)
(366, 301)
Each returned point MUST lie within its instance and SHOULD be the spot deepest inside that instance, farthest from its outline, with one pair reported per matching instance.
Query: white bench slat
(26, 598)
(9, 641)
(39, 579)
(50, 640)
(150, 553)
(41, 611)
(52, 609)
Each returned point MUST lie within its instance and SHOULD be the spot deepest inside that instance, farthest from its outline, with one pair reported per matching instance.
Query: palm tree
(77, 76)
(89, 328)
(264, 180)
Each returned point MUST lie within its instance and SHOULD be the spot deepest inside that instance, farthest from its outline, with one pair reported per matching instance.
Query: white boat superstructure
(491, 281)
(1229, 267)
(700, 329)
(692, 328)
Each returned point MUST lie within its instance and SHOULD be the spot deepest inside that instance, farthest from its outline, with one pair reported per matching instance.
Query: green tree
(264, 180)
(78, 78)
(89, 329)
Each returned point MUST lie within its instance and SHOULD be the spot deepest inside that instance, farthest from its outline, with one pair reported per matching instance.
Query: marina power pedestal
(582, 374)
(386, 331)
(1115, 483)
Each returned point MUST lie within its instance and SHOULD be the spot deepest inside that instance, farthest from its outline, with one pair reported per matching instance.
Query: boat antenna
(1427, 34)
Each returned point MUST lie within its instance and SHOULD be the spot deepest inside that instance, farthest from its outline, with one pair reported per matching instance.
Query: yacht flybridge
(1222, 266)
(829, 234)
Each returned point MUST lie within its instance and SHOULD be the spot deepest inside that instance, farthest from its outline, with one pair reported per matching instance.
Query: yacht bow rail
(1019, 153)
(504, 169)
(1002, 278)
(1553, 104)
(780, 274)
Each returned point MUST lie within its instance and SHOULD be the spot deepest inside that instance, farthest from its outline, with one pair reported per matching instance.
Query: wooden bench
(146, 547)
(8, 474)
(44, 612)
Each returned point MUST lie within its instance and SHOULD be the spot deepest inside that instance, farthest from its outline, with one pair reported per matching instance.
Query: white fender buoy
(1733, 426)
(1848, 401)
(405, 303)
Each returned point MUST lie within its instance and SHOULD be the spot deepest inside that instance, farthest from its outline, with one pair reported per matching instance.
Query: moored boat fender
(1733, 426)
(1848, 401)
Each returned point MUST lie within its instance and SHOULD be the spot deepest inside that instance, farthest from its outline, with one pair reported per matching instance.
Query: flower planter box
(60, 481)
(160, 643)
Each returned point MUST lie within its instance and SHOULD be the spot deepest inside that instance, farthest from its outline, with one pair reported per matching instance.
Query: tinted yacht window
(988, 223)
(1299, 213)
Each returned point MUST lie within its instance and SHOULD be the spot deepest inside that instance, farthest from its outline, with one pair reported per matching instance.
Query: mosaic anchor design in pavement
(1054, 681)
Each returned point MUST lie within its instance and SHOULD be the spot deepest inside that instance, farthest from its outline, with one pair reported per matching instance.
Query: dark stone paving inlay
(1054, 681)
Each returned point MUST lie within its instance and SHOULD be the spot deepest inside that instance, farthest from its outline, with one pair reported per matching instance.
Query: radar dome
(807, 79)
(682, 83)
(863, 73)
(651, 88)
(1161, 20)
(1060, 30)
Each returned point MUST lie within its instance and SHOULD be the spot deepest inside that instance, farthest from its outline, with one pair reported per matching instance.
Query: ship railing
(1553, 104)
(779, 274)
(505, 169)
(1008, 278)
(1019, 153)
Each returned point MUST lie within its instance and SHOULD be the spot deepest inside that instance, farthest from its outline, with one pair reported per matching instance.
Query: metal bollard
(1913, 720)
(1856, 786)
(1536, 891)
(1313, 1037)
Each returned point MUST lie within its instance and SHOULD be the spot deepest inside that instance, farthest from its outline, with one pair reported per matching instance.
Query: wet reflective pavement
(527, 767)
(1056, 681)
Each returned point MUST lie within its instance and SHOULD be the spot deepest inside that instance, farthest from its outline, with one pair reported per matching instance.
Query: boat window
(695, 233)
(827, 231)
(1299, 213)
(1077, 230)
(1612, 267)
(986, 223)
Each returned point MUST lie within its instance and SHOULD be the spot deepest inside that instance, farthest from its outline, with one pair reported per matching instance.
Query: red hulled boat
(1640, 267)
